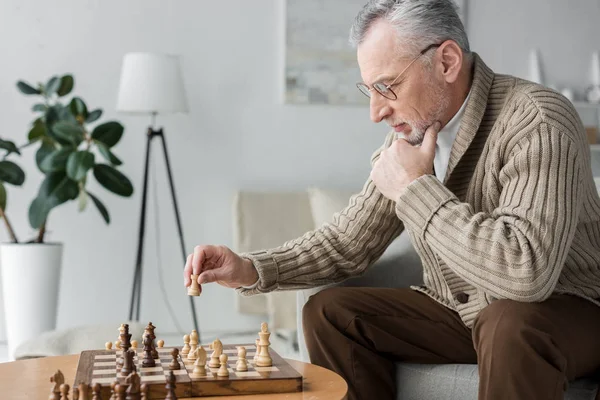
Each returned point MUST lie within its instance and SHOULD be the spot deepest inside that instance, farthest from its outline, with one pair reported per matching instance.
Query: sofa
(267, 219)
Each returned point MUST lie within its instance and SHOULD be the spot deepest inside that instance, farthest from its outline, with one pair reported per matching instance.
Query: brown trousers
(523, 350)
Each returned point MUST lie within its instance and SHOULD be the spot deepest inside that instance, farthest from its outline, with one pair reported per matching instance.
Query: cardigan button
(462, 297)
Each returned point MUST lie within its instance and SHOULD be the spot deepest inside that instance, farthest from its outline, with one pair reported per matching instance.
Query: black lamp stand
(136, 291)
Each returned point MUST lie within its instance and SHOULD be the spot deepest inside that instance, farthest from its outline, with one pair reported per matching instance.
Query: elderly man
(490, 175)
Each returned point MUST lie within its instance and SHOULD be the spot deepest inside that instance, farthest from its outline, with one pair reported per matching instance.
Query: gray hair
(419, 23)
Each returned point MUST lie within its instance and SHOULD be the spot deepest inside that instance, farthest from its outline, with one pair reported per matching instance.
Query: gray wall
(237, 135)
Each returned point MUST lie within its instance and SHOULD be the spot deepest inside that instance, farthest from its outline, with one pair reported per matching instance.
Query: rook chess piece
(242, 364)
(264, 358)
(223, 371)
(200, 364)
(171, 387)
(193, 345)
(148, 360)
(185, 350)
(58, 379)
(64, 391)
(175, 362)
(217, 351)
(194, 289)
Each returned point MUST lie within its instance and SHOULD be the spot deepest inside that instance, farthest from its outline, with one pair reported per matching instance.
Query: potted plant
(69, 150)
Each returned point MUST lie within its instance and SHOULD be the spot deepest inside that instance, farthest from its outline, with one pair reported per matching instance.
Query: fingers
(212, 275)
(430, 138)
(187, 271)
(198, 258)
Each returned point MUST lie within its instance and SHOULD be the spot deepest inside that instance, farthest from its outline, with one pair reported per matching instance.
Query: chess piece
(242, 364)
(194, 289)
(120, 391)
(133, 382)
(125, 340)
(58, 379)
(264, 358)
(256, 351)
(83, 391)
(186, 345)
(150, 331)
(223, 371)
(64, 391)
(121, 331)
(128, 365)
(134, 344)
(75, 393)
(148, 360)
(160, 343)
(171, 387)
(117, 344)
(217, 351)
(200, 364)
(175, 362)
(96, 391)
(108, 345)
(144, 391)
(193, 345)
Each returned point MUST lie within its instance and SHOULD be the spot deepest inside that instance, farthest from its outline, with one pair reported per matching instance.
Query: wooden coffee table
(30, 379)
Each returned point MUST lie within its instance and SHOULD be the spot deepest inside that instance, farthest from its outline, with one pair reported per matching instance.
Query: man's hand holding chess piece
(218, 264)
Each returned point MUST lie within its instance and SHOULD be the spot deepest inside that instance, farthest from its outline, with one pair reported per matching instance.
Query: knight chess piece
(58, 379)
(193, 345)
(200, 364)
(217, 351)
(133, 382)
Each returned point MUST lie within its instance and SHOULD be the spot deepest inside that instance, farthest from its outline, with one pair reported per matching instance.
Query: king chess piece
(264, 358)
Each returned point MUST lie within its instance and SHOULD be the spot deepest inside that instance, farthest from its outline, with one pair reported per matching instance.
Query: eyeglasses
(386, 90)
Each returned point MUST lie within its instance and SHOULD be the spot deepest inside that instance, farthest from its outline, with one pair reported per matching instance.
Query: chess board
(101, 366)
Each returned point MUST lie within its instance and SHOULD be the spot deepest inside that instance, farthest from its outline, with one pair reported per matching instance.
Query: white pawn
(242, 364)
(223, 371)
(186, 345)
(193, 345)
(264, 358)
(200, 364)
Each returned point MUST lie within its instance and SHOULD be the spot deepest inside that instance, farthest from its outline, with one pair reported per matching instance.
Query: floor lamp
(151, 84)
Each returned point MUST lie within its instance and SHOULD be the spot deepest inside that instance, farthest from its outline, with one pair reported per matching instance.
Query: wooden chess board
(101, 366)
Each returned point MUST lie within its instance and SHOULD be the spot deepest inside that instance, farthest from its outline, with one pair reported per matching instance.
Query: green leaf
(52, 86)
(107, 154)
(100, 207)
(9, 146)
(108, 133)
(66, 85)
(2, 196)
(57, 160)
(94, 116)
(55, 190)
(37, 131)
(44, 151)
(113, 180)
(82, 200)
(11, 173)
(26, 88)
(53, 115)
(38, 107)
(38, 212)
(68, 131)
(79, 164)
(78, 108)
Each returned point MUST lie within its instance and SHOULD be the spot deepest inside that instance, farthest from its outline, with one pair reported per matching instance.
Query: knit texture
(516, 217)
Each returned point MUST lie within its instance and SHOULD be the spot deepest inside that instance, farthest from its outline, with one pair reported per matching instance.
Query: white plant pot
(30, 280)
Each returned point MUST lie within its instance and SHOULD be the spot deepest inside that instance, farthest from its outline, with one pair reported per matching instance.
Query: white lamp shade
(151, 83)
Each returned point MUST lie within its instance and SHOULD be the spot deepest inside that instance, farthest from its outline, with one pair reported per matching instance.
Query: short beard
(442, 101)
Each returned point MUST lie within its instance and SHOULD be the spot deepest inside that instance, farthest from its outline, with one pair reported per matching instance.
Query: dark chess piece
(83, 390)
(58, 379)
(175, 362)
(150, 331)
(125, 338)
(148, 360)
(128, 365)
(64, 391)
(120, 392)
(144, 391)
(133, 389)
(171, 387)
(96, 390)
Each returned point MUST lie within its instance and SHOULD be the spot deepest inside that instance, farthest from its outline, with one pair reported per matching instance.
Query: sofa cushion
(460, 382)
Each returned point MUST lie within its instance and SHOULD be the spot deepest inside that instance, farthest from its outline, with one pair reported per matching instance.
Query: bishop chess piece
(128, 365)
(175, 362)
(264, 358)
(171, 387)
(185, 350)
(194, 289)
(200, 364)
(242, 363)
(64, 391)
(57, 379)
(217, 351)
(148, 360)
(193, 345)
(223, 371)
(256, 351)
